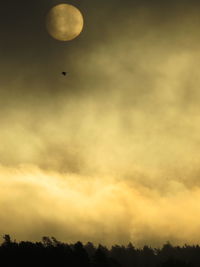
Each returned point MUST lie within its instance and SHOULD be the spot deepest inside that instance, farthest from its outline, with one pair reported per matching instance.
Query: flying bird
(64, 73)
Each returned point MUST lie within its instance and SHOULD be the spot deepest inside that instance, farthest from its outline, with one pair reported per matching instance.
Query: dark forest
(51, 252)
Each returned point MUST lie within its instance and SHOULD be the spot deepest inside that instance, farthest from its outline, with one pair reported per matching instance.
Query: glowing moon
(64, 22)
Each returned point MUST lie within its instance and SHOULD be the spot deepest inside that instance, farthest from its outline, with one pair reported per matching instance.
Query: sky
(110, 152)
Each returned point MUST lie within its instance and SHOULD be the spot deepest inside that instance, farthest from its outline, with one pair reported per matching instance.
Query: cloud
(111, 153)
(101, 209)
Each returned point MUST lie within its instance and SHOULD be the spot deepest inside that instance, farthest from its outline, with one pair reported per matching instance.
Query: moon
(64, 22)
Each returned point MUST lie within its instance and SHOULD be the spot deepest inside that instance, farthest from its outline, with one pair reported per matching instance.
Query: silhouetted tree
(7, 240)
(100, 258)
(82, 258)
(175, 263)
(51, 252)
(90, 248)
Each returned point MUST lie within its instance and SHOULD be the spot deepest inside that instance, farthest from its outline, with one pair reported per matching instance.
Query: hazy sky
(111, 152)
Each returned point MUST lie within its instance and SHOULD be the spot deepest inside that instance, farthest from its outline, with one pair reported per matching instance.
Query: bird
(64, 73)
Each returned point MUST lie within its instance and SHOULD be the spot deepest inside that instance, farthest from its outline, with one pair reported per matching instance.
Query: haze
(109, 153)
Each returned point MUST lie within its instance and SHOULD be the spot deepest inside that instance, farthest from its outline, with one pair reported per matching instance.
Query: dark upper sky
(32, 60)
(25, 42)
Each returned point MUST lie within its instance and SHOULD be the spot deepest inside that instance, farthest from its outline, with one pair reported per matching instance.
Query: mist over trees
(51, 252)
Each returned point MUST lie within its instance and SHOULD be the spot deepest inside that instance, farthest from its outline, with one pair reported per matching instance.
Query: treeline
(51, 252)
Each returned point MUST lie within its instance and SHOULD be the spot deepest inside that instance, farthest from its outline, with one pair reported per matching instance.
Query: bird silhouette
(64, 73)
